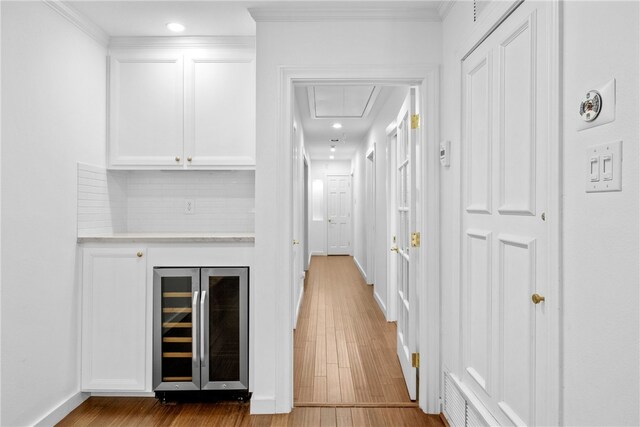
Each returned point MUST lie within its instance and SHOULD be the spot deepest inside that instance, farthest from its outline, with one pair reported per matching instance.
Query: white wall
(601, 283)
(376, 135)
(53, 111)
(304, 44)
(600, 238)
(319, 169)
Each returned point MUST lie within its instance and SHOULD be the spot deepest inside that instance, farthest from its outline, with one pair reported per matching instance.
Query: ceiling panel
(341, 101)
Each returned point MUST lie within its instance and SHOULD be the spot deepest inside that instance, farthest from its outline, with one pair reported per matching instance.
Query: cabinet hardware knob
(139, 254)
(177, 158)
(537, 299)
(189, 158)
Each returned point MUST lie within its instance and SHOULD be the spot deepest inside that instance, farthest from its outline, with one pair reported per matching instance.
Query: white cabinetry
(114, 319)
(182, 107)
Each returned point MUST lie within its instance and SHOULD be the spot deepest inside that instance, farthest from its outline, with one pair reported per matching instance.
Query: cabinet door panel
(220, 112)
(113, 320)
(146, 110)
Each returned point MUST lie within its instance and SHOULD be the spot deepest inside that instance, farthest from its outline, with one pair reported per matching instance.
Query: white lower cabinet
(114, 319)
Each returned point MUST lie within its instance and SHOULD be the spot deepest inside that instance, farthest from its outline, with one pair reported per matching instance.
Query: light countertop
(170, 238)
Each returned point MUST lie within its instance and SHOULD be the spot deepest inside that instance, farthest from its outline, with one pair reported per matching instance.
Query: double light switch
(604, 162)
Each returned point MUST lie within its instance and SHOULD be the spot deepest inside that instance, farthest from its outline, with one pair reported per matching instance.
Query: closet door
(224, 316)
(504, 235)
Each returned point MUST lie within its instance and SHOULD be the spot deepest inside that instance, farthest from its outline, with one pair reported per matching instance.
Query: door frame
(392, 288)
(426, 77)
(495, 14)
(326, 211)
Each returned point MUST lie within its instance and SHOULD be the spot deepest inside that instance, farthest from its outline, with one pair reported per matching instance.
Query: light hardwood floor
(345, 350)
(144, 411)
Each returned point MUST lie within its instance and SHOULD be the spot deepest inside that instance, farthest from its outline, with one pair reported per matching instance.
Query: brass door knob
(189, 158)
(394, 249)
(177, 158)
(139, 254)
(537, 299)
(295, 242)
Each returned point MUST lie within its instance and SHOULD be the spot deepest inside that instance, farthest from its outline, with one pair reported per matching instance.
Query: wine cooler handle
(203, 359)
(194, 328)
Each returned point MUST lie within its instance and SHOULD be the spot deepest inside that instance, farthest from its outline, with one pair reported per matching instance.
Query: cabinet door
(146, 110)
(220, 112)
(113, 320)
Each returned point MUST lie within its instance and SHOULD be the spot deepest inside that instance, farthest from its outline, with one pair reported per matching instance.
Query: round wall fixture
(591, 106)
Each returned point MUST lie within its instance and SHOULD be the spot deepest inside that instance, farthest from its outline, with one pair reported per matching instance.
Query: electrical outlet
(189, 206)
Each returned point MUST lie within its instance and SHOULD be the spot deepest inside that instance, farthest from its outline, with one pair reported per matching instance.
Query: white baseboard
(364, 275)
(317, 253)
(299, 305)
(64, 409)
(262, 405)
(123, 394)
(380, 303)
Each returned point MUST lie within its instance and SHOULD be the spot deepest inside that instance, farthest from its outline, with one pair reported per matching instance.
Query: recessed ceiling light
(331, 157)
(175, 27)
(333, 148)
(336, 126)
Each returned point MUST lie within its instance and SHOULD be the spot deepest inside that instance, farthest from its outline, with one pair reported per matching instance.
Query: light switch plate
(607, 114)
(607, 158)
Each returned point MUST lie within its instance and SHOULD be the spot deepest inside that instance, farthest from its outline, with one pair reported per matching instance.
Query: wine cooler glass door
(225, 328)
(176, 362)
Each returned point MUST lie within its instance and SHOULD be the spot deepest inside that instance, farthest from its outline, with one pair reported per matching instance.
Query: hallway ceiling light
(175, 27)
(337, 126)
(333, 148)
(331, 157)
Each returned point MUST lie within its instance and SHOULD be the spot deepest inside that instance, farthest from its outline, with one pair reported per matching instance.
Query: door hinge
(415, 360)
(415, 121)
(415, 240)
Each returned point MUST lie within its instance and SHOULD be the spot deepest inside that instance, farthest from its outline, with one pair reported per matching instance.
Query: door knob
(537, 299)
(189, 158)
(329, 220)
(295, 242)
(139, 254)
(177, 158)
(394, 249)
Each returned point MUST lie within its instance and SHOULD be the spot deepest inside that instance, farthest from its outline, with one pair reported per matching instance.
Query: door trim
(494, 15)
(426, 77)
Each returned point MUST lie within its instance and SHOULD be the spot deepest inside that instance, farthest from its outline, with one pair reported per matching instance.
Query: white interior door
(504, 236)
(338, 215)
(405, 278)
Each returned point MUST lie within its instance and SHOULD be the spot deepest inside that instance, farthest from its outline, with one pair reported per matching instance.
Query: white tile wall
(224, 201)
(153, 201)
(101, 201)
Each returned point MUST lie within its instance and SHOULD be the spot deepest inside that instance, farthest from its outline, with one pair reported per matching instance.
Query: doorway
(424, 82)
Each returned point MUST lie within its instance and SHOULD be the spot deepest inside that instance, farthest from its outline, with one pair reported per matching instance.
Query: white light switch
(604, 167)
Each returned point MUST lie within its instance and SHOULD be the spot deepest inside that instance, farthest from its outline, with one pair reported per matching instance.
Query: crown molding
(324, 14)
(445, 8)
(83, 23)
(184, 42)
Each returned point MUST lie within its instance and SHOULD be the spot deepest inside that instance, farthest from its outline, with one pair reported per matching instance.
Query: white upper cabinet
(220, 111)
(146, 110)
(178, 108)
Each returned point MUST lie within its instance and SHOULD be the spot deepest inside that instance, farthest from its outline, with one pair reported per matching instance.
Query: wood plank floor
(145, 411)
(345, 350)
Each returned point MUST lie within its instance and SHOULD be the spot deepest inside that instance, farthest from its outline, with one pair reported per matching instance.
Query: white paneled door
(504, 234)
(339, 215)
(405, 192)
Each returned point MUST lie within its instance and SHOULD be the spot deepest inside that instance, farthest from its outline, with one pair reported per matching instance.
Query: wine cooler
(201, 329)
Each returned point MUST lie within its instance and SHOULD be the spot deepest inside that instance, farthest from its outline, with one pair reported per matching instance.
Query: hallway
(345, 350)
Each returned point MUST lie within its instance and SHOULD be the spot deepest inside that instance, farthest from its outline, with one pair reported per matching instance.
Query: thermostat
(445, 155)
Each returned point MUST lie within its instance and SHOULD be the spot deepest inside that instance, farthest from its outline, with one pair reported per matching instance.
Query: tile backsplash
(154, 201)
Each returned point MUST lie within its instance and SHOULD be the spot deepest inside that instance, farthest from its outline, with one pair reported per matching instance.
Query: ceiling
(318, 132)
(204, 17)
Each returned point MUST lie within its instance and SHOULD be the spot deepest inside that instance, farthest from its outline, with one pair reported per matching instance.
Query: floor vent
(458, 410)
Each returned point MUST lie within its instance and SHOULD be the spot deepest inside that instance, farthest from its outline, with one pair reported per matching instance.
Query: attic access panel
(341, 101)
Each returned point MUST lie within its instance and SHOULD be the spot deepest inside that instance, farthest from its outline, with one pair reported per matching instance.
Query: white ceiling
(204, 17)
(319, 132)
